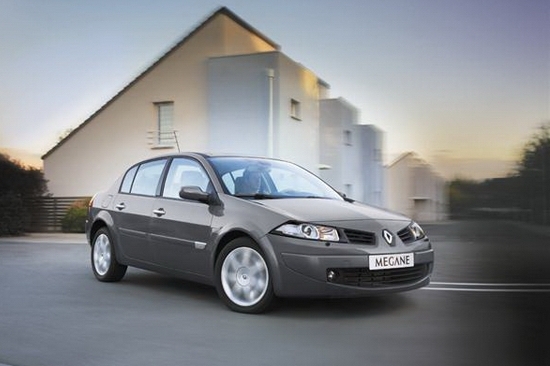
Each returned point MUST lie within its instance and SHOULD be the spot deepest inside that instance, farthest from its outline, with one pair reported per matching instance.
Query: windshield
(265, 178)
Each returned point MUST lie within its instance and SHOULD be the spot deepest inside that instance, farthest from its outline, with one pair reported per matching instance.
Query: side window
(147, 178)
(185, 172)
(128, 180)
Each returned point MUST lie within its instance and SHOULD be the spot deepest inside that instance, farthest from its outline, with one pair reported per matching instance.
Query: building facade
(351, 153)
(416, 190)
(264, 104)
(224, 88)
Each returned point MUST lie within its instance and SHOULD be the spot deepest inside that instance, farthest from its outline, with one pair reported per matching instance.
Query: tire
(242, 277)
(104, 263)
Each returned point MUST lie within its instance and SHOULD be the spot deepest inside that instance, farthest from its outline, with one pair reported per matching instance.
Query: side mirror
(346, 198)
(195, 193)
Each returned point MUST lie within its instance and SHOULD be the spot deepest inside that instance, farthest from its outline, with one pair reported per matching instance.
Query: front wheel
(104, 263)
(242, 277)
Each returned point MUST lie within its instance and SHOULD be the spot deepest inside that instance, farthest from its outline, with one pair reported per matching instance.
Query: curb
(52, 238)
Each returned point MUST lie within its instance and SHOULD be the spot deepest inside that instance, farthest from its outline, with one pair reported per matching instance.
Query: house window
(165, 123)
(295, 111)
(377, 154)
(347, 138)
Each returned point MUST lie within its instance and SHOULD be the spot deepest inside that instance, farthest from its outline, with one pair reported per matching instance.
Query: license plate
(388, 261)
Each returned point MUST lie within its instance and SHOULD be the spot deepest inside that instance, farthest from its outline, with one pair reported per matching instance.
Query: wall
(416, 190)
(238, 103)
(100, 149)
(373, 173)
(238, 107)
(347, 158)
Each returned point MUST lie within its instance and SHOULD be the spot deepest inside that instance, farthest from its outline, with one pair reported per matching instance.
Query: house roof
(403, 156)
(221, 11)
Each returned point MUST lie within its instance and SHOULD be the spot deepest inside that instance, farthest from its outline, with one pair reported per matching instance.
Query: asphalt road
(488, 304)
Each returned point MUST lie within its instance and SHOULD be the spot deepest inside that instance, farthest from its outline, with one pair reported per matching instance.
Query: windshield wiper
(257, 196)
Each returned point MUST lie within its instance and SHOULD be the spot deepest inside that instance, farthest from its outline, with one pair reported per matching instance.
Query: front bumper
(313, 269)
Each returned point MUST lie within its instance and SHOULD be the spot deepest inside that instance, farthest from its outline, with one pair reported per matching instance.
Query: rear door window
(146, 181)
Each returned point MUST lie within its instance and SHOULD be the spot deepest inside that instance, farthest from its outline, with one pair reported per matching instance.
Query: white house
(416, 190)
(351, 153)
(264, 104)
(225, 87)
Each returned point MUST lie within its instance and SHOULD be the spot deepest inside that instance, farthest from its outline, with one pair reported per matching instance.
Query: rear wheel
(104, 263)
(242, 278)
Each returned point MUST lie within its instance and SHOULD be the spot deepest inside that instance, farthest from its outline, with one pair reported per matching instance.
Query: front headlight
(417, 231)
(308, 231)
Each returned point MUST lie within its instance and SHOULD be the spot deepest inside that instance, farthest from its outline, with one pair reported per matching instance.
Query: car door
(133, 207)
(181, 229)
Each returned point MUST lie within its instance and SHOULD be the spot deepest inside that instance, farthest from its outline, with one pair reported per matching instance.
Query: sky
(464, 84)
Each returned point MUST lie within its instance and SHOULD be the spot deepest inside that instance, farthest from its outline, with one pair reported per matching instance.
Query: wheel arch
(263, 243)
(102, 219)
(226, 239)
(98, 224)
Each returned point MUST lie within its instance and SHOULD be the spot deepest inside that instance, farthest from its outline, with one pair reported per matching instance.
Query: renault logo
(388, 236)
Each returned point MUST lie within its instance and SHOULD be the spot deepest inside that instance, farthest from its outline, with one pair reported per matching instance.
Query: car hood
(318, 210)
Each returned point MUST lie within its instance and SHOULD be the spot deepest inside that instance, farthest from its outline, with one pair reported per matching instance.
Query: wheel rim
(244, 276)
(102, 254)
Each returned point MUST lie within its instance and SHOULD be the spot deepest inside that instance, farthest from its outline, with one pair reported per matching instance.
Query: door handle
(121, 206)
(159, 212)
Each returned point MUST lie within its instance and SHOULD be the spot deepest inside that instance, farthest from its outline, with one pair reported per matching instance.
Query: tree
(534, 174)
(497, 197)
(524, 195)
(18, 185)
(462, 197)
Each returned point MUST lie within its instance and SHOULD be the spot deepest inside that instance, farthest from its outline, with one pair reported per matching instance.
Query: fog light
(331, 275)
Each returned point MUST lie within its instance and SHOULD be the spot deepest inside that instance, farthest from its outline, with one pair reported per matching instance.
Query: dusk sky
(464, 83)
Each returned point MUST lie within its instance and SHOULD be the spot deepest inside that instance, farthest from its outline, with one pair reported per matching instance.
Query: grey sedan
(254, 228)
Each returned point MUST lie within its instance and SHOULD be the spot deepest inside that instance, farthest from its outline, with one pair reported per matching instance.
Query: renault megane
(254, 228)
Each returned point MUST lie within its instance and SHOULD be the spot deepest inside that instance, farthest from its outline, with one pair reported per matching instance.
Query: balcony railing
(162, 139)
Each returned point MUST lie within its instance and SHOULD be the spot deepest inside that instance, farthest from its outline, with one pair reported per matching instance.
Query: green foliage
(536, 153)
(534, 174)
(491, 197)
(75, 218)
(18, 185)
(20, 180)
(462, 196)
(13, 215)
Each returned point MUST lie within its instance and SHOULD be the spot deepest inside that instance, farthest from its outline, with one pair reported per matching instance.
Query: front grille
(364, 277)
(406, 235)
(360, 237)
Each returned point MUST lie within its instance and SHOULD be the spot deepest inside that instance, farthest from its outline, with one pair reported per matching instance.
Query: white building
(264, 104)
(225, 87)
(351, 153)
(416, 190)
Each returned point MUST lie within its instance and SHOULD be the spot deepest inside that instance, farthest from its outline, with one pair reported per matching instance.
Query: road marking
(488, 287)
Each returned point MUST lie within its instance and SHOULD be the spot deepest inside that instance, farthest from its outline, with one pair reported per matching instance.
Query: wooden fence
(47, 213)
